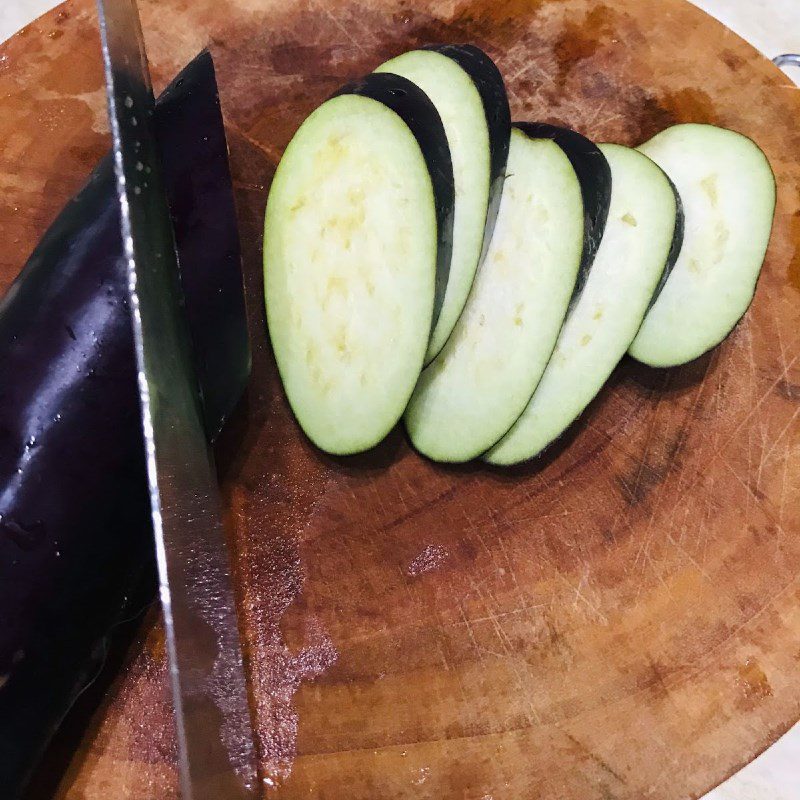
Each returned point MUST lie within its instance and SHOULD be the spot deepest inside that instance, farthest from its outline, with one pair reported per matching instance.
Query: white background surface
(773, 26)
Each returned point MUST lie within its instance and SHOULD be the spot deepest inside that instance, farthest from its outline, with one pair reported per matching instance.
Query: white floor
(16, 13)
(773, 26)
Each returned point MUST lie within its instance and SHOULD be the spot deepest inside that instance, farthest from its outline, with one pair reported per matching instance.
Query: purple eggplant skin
(677, 242)
(75, 536)
(594, 176)
(206, 235)
(492, 90)
(415, 108)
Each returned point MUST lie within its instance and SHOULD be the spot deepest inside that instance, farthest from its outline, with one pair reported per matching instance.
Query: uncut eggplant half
(75, 536)
(357, 246)
(469, 93)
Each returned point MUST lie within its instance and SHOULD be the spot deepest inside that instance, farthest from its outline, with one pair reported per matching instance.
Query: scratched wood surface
(620, 620)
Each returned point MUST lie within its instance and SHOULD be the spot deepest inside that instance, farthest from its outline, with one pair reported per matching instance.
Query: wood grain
(620, 620)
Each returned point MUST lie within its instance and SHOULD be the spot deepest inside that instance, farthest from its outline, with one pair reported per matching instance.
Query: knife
(215, 736)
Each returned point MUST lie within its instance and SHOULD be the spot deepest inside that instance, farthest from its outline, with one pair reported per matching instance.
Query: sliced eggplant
(594, 175)
(468, 91)
(481, 381)
(728, 193)
(75, 537)
(643, 218)
(356, 251)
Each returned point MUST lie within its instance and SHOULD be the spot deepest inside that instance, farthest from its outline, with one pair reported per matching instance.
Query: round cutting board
(618, 620)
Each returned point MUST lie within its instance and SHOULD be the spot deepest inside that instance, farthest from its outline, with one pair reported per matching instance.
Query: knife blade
(214, 731)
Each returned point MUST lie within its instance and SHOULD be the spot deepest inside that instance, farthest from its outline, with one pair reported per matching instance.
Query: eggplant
(422, 118)
(637, 245)
(478, 385)
(728, 193)
(469, 93)
(357, 246)
(75, 536)
(595, 177)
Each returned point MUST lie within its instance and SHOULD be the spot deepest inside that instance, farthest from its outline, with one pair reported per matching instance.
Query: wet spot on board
(429, 560)
(631, 113)
(752, 681)
(690, 105)
(645, 115)
(288, 672)
(732, 60)
(581, 40)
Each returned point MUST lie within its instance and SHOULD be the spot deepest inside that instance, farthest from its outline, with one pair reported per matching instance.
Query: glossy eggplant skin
(492, 90)
(594, 176)
(194, 155)
(414, 107)
(75, 536)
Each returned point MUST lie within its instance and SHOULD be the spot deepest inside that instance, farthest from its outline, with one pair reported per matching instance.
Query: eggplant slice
(356, 251)
(481, 381)
(75, 534)
(728, 193)
(594, 175)
(643, 218)
(468, 91)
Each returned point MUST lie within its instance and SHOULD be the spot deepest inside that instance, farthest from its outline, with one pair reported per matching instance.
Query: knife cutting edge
(214, 731)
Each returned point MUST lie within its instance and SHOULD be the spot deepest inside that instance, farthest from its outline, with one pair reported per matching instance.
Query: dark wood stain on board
(577, 625)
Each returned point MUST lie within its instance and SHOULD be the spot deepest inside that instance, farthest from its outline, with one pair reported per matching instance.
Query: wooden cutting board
(619, 620)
